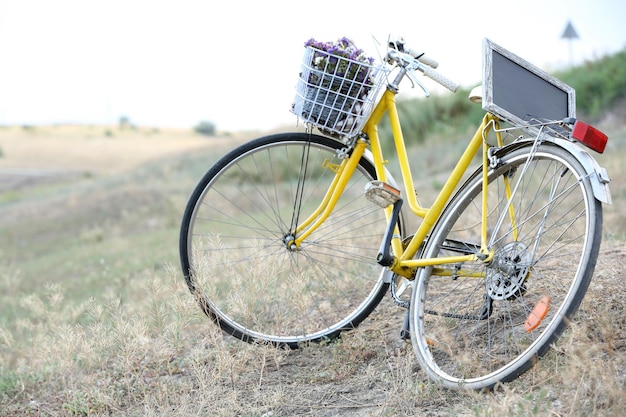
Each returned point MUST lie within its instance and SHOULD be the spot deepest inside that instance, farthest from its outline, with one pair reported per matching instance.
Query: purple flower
(340, 59)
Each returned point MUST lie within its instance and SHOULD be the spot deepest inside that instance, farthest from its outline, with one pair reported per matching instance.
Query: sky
(235, 63)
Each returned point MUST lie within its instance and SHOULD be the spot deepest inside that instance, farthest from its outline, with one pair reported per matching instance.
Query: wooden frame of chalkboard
(520, 93)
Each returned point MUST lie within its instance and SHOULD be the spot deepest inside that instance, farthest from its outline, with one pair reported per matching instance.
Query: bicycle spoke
(234, 243)
(471, 321)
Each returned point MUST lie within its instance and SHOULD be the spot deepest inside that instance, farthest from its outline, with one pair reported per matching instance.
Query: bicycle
(293, 238)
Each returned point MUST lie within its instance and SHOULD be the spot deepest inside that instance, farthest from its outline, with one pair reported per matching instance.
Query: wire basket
(339, 98)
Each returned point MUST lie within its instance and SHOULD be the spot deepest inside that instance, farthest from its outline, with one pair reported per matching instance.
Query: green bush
(598, 84)
(205, 128)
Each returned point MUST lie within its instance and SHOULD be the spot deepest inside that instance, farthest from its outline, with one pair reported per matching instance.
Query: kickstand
(405, 333)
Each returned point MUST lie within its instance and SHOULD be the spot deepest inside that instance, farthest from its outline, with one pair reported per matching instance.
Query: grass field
(95, 318)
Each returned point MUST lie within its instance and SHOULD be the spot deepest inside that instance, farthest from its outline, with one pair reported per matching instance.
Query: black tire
(235, 257)
(469, 331)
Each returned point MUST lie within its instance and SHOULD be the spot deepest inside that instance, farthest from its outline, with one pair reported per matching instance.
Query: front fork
(343, 173)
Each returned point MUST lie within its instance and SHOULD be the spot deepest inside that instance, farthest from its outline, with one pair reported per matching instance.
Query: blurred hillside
(600, 95)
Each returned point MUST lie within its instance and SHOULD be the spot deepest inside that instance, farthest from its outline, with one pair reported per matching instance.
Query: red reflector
(590, 136)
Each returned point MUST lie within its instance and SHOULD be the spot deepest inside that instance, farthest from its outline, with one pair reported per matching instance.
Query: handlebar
(400, 45)
(412, 60)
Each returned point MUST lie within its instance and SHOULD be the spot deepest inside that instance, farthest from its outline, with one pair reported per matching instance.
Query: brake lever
(414, 81)
(409, 64)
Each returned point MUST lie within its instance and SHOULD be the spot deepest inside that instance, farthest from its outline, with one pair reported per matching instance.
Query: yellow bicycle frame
(404, 263)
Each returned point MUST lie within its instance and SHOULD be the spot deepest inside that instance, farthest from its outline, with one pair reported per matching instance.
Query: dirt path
(50, 153)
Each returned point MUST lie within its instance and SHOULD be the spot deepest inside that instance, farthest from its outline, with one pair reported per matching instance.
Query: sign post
(570, 34)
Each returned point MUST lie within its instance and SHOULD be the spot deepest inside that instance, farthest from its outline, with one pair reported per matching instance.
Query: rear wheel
(235, 251)
(475, 324)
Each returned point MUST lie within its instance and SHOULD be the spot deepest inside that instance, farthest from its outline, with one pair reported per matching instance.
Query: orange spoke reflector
(537, 315)
(430, 342)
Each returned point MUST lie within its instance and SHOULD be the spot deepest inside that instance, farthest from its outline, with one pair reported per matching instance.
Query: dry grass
(96, 149)
(80, 337)
(157, 355)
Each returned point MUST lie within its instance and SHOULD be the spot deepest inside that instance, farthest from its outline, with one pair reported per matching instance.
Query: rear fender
(598, 175)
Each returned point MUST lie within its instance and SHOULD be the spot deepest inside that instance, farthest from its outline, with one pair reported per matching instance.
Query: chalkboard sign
(519, 92)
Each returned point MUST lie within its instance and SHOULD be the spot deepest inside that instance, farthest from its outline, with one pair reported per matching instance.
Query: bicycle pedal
(381, 193)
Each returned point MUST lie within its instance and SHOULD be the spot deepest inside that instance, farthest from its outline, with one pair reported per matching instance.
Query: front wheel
(235, 243)
(475, 324)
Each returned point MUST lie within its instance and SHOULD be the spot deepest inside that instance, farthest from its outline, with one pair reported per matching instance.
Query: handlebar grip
(428, 61)
(421, 57)
(441, 79)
